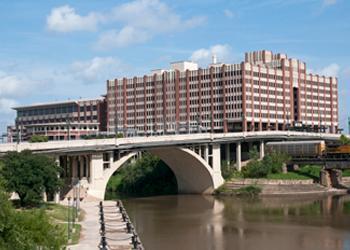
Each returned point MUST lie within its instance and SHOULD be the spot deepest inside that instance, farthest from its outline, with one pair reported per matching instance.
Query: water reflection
(197, 222)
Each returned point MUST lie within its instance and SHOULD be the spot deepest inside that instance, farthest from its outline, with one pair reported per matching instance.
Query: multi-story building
(265, 92)
(64, 120)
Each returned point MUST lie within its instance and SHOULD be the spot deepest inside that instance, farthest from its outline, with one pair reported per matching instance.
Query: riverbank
(276, 187)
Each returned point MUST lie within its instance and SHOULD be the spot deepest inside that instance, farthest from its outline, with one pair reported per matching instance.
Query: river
(191, 222)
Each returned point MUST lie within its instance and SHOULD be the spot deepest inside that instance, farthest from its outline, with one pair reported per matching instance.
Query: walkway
(90, 235)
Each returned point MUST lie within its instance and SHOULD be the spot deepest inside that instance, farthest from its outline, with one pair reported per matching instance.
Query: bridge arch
(192, 172)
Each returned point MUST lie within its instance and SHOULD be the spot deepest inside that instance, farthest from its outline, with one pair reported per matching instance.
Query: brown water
(187, 222)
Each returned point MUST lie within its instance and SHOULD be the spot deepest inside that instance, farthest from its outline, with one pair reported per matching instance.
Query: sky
(59, 50)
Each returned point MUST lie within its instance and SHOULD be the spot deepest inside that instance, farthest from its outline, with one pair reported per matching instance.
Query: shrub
(227, 171)
(344, 140)
(38, 138)
(255, 169)
(272, 163)
(250, 191)
(119, 135)
(23, 230)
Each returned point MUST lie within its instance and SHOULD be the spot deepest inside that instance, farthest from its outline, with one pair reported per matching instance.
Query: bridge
(195, 159)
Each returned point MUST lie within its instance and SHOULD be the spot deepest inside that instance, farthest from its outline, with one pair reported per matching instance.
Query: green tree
(254, 153)
(38, 138)
(275, 161)
(271, 163)
(344, 140)
(146, 177)
(29, 175)
(23, 230)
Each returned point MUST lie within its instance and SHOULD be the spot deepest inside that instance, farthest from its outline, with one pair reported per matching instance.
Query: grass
(312, 171)
(76, 234)
(287, 176)
(60, 212)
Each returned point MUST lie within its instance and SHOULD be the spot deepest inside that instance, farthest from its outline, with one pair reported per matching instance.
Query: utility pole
(349, 125)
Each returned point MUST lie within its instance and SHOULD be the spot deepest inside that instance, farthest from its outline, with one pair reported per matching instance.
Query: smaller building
(72, 119)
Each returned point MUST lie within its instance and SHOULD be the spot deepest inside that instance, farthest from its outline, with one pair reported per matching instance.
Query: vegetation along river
(190, 222)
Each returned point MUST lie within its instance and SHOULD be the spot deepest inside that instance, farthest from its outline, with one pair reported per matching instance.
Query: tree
(344, 140)
(29, 175)
(146, 177)
(271, 163)
(22, 230)
(38, 138)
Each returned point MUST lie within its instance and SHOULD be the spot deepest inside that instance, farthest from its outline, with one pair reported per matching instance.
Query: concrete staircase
(276, 189)
(71, 193)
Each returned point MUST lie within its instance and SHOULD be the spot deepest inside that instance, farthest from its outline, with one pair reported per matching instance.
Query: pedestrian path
(116, 234)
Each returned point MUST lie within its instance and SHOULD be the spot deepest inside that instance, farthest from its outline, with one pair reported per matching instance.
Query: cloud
(14, 85)
(228, 13)
(152, 15)
(141, 20)
(203, 56)
(329, 2)
(6, 105)
(65, 19)
(330, 70)
(126, 36)
(95, 70)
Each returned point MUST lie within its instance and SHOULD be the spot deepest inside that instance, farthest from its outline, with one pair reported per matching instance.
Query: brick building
(265, 92)
(60, 120)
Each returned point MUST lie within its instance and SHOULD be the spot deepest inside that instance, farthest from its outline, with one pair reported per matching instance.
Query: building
(63, 120)
(265, 92)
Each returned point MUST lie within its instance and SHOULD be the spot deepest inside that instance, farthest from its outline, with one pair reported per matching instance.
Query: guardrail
(127, 227)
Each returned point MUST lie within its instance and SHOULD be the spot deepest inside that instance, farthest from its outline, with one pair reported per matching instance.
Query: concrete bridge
(195, 159)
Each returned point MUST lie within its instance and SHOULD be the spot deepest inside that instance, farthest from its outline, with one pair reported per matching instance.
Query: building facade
(60, 120)
(265, 92)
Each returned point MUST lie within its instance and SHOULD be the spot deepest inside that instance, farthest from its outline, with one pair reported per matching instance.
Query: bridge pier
(261, 150)
(238, 156)
(331, 178)
(206, 153)
(227, 153)
(56, 196)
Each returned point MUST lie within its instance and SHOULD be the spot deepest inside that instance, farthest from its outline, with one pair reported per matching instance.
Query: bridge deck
(161, 141)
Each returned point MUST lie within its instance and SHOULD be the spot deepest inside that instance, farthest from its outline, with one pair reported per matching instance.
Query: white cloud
(203, 56)
(14, 85)
(330, 70)
(141, 20)
(152, 15)
(329, 2)
(126, 36)
(95, 70)
(6, 105)
(228, 13)
(65, 19)
(9, 84)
